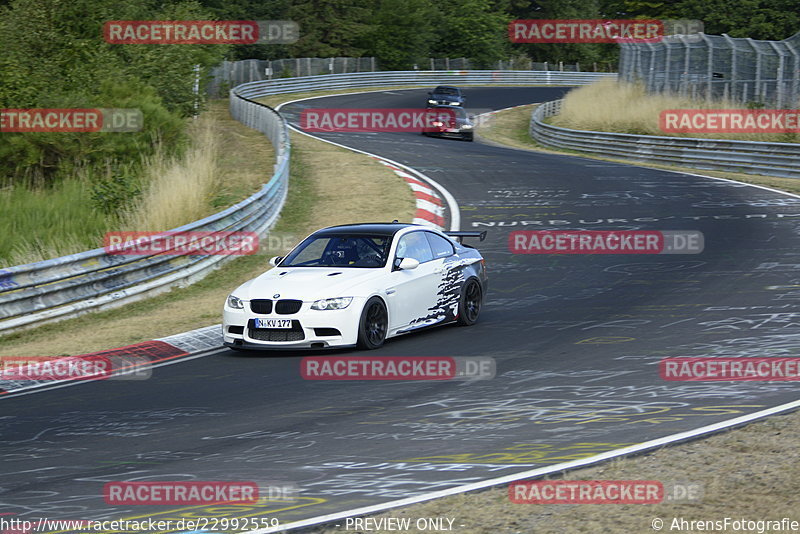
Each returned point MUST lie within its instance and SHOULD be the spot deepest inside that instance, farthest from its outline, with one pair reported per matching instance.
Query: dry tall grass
(179, 190)
(613, 106)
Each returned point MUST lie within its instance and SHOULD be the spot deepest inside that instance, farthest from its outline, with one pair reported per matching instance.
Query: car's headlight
(431, 101)
(339, 303)
(456, 103)
(466, 126)
(235, 302)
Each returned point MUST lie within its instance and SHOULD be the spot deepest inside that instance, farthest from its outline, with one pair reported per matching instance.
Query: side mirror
(275, 260)
(408, 264)
(430, 93)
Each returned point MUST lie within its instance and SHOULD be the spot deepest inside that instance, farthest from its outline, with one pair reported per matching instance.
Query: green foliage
(585, 53)
(54, 221)
(114, 192)
(54, 56)
(330, 28)
(471, 29)
(757, 19)
(401, 33)
(39, 158)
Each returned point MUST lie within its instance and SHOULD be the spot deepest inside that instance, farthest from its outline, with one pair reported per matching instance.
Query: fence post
(710, 67)
(686, 64)
(667, 85)
(734, 68)
(795, 99)
(758, 68)
(651, 72)
(780, 74)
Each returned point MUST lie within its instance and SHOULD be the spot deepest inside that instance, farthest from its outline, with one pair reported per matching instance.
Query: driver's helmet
(345, 250)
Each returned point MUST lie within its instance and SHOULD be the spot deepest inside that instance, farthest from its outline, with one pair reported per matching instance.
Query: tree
(585, 53)
(757, 19)
(331, 28)
(54, 56)
(401, 33)
(471, 29)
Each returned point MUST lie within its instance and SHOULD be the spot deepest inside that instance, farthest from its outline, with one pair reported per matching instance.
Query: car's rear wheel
(373, 325)
(469, 306)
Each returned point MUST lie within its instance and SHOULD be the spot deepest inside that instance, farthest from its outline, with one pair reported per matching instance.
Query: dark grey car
(446, 95)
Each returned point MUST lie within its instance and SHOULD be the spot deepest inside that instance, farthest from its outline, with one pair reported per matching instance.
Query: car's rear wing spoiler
(461, 235)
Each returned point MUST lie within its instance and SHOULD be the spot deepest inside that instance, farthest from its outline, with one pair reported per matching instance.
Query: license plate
(273, 323)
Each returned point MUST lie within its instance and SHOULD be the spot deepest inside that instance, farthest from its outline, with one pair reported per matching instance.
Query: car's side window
(414, 245)
(440, 246)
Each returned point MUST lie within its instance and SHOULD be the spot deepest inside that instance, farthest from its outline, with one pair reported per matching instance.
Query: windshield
(366, 251)
(446, 91)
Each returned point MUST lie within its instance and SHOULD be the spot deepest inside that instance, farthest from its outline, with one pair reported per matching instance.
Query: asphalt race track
(577, 340)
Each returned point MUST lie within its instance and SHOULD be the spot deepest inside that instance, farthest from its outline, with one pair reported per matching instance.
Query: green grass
(42, 223)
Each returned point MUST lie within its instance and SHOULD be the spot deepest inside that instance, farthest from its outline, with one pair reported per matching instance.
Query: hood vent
(334, 274)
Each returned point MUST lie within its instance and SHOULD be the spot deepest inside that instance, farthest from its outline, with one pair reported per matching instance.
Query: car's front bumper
(310, 328)
(445, 133)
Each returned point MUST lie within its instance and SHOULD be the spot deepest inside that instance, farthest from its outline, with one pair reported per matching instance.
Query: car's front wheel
(373, 325)
(469, 306)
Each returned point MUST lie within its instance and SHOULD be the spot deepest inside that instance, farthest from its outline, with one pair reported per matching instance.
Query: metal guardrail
(750, 157)
(424, 78)
(71, 285)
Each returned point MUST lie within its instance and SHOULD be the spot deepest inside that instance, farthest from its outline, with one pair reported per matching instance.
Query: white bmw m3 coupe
(358, 285)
